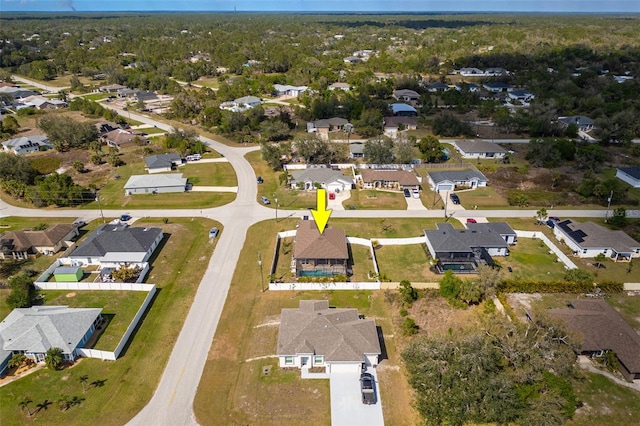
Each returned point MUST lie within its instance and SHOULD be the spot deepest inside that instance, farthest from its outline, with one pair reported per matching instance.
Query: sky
(560, 6)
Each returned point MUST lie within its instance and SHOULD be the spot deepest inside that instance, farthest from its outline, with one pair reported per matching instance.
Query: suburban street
(172, 402)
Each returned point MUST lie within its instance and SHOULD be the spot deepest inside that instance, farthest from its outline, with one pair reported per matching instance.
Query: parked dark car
(407, 193)
(454, 198)
(368, 388)
(125, 218)
(260, 180)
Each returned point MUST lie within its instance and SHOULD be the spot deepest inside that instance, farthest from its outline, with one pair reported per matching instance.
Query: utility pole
(100, 206)
(261, 273)
(606, 214)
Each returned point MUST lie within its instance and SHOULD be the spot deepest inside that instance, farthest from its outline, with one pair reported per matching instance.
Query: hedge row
(560, 286)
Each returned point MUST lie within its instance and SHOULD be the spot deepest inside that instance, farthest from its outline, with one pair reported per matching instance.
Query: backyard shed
(67, 274)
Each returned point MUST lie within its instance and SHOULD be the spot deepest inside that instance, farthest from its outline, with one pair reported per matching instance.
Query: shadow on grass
(383, 346)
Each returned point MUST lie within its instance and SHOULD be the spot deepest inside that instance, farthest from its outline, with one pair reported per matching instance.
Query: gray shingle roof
(456, 176)
(591, 235)
(476, 145)
(501, 228)
(156, 181)
(338, 334)
(39, 328)
(162, 160)
(321, 175)
(448, 239)
(117, 239)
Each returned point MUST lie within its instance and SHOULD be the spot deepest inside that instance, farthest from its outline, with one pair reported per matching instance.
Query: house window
(318, 359)
(288, 360)
(584, 251)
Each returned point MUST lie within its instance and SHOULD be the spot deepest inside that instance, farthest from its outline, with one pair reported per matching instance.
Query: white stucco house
(477, 148)
(315, 335)
(588, 239)
(27, 144)
(155, 184)
(329, 179)
(449, 180)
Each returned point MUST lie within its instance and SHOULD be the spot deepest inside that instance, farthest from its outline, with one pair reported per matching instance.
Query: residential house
(401, 109)
(320, 255)
(33, 331)
(112, 88)
(391, 179)
(622, 78)
(495, 72)
(28, 243)
(356, 150)
(120, 138)
(162, 162)
(479, 149)
(602, 329)
(287, 90)
(463, 250)
(106, 127)
(584, 123)
(27, 144)
(461, 87)
(452, 179)
(631, 175)
(471, 72)
(127, 93)
(325, 126)
(42, 104)
(340, 86)
(521, 95)
(315, 335)
(392, 126)
(352, 60)
(310, 179)
(17, 93)
(406, 95)
(588, 239)
(437, 87)
(112, 245)
(155, 184)
(501, 228)
(497, 87)
(241, 104)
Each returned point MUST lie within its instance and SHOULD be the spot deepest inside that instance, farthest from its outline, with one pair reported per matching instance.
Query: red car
(471, 220)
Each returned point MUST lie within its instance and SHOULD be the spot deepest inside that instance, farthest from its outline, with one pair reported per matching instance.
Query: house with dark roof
(406, 95)
(390, 179)
(356, 150)
(401, 109)
(584, 123)
(27, 243)
(478, 148)
(323, 127)
(320, 255)
(631, 175)
(437, 87)
(162, 162)
(471, 87)
(33, 331)
(391, 126)
(155, 184)
(315, 335)
(329, 179)
(27, 144)
(497, 87)
(463, 250)
(120, 138)
(602, 328)
(449, 180)
(588, 239)
(522, 95)
(112, 245)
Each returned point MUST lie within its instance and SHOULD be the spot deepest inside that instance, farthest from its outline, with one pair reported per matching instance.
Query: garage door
(350, 367)
(445, 187)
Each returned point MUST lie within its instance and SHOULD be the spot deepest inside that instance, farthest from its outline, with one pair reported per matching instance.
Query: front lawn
(530, 260)
(209, 174)
(484, 198)
(119, 390)
(368, 199)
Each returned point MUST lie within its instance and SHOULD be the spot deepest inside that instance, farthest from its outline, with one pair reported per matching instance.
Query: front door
(304, 361)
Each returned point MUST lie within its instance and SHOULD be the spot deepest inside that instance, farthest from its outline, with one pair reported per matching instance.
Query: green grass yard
(367, 199)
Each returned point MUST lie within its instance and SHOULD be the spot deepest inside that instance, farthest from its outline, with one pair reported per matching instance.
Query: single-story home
(631, 175)
(331, 180)
(437, 87)
(28, 243)
(241, 104)
(324, 126)
(588, 239)
(341, 86)
(463, 250)
(471, 72)
(478, 148)
(584, 123)
(27, 144)
(501, 228)
(320, 255)
(449, 180)
(112, 88)
(315, 335)
(461, 87)
(17, 92)
(41, 103)
(155, 184)
(356, 150)
(68, 274)
(393, 125)
(406, 95)
(112, 245)
(119, 138)
(402, 109)
(602, 328)
(33, 331)
(287, 90)
(383, 178)
(497, 87)
(521, 95)
(162, 162)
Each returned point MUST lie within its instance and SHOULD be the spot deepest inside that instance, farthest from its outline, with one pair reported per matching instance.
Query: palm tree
(54, 358)
(24, 404)
(84, 379)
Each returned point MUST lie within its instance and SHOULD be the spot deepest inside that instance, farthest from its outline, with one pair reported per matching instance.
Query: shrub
(403, 312)
(409, 327)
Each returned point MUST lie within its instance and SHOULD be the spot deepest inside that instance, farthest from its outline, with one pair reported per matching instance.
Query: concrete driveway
(347, 408)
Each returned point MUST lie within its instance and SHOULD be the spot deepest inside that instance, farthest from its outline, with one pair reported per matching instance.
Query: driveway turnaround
(347, 408)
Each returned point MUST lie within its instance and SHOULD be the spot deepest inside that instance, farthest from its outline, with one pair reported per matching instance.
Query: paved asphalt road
(172, 403)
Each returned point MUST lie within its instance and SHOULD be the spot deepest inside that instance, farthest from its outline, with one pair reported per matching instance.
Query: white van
(193, 157)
